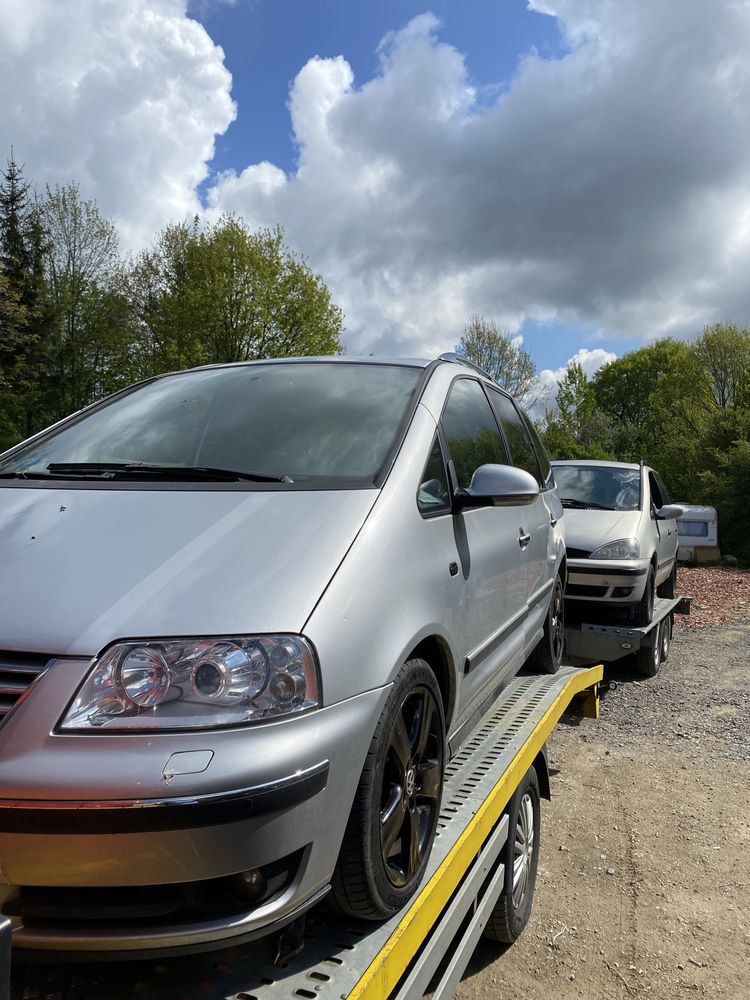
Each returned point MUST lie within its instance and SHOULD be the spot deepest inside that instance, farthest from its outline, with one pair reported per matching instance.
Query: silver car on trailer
(246, 613)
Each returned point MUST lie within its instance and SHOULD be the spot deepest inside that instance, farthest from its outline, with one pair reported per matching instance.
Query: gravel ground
(644, 877)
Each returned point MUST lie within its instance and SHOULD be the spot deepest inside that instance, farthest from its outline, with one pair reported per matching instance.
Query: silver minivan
(247, 612)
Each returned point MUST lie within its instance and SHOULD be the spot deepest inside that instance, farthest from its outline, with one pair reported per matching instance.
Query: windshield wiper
(112, 470)
(25, 474)
(583, 504)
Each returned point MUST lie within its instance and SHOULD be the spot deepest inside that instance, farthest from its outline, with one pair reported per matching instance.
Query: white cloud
(124, 97)
(608, 186)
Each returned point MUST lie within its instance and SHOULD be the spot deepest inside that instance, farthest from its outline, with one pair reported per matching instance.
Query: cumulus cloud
(590, 361)
(125, 98)
(607, 186)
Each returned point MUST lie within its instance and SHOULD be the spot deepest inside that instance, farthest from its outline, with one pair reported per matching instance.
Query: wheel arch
(435, 651)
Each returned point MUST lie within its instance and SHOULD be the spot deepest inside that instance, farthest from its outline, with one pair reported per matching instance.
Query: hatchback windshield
(295, 420)
(608, 486)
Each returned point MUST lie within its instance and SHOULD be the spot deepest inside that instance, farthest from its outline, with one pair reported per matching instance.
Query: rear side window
(522, 452)
(471, 430)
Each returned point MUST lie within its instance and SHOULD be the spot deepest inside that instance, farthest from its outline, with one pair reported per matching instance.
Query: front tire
(393, 819)
(669, 587)
(643, 612)
(521, 857)
(548, 654)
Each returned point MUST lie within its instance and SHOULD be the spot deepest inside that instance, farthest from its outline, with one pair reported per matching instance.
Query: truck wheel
(648, 658)
(520, 856)
(669, 587)
(547, 655)
(395, 812)
(643, 612)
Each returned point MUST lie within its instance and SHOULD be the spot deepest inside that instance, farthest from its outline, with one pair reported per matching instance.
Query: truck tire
(520, 856)
(648, 658)
(394, 816)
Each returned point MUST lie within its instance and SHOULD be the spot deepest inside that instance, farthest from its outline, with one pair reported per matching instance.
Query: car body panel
(82, 568)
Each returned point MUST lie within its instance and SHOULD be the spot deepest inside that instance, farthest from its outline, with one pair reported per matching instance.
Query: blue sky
(267, 42)
(576, 170)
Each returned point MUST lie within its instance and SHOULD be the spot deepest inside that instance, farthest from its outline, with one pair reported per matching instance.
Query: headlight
(623, 548)
(196, 684)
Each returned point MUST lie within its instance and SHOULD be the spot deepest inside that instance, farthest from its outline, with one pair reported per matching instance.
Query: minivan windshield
(296, 420)
(601, 487)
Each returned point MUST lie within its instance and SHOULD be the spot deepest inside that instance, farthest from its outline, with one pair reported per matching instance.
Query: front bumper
(610, 581)
(87, 813)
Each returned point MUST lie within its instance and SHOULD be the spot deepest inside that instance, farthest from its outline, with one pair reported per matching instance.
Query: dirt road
(644, 878)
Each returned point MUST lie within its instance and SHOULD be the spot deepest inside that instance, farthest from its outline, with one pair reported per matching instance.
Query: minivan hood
(82, 567)
(588, 529)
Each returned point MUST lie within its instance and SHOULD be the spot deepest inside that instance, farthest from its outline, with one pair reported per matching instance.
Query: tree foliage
(78, 322)
(497, 352)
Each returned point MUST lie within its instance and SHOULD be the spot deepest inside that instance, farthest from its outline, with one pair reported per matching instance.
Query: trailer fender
(541, 766)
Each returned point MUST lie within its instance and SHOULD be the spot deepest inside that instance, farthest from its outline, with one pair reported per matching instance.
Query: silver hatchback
(246, 613)
(621, 535)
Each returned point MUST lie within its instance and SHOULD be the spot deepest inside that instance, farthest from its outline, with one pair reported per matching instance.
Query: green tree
(498, 353)
(225, 293)
(93, 326)
(25, 318)
(723, 353)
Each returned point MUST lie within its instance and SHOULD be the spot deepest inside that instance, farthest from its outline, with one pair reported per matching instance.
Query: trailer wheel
(547, 656)
(648, 658)
(394, 816)
(520, 856)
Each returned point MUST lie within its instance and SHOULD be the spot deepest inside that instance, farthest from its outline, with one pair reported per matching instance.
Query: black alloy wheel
(394, 815)
(412, 781)
(548, 654)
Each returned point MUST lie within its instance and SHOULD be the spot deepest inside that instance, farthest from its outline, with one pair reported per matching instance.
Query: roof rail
(460, 359)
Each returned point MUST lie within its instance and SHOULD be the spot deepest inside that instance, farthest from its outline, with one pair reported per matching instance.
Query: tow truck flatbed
(600, 642)
(398, 959)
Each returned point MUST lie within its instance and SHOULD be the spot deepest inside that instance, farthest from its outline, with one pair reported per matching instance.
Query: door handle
(552, 520)
(523, 539)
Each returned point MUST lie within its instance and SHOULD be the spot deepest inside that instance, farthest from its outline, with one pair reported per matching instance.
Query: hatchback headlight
(196, 684)
(623, 548)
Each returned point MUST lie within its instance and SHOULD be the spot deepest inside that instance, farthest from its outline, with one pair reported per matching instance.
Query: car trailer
(466, 891)
(587, 642)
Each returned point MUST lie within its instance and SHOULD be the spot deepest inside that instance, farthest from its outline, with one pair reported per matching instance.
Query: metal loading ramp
(429, 943)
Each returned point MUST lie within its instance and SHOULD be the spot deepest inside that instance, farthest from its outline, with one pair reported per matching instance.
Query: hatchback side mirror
(498, 486)
(670, 512)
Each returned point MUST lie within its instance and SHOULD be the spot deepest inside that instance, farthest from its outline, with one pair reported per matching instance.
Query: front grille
(584, 590)
(18, 671)
(578, 553)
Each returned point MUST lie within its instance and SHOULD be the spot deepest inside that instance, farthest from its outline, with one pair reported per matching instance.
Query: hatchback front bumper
(610, 581)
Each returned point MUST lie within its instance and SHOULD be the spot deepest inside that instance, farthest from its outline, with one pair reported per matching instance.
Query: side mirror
(670, 512)
(498, 486)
